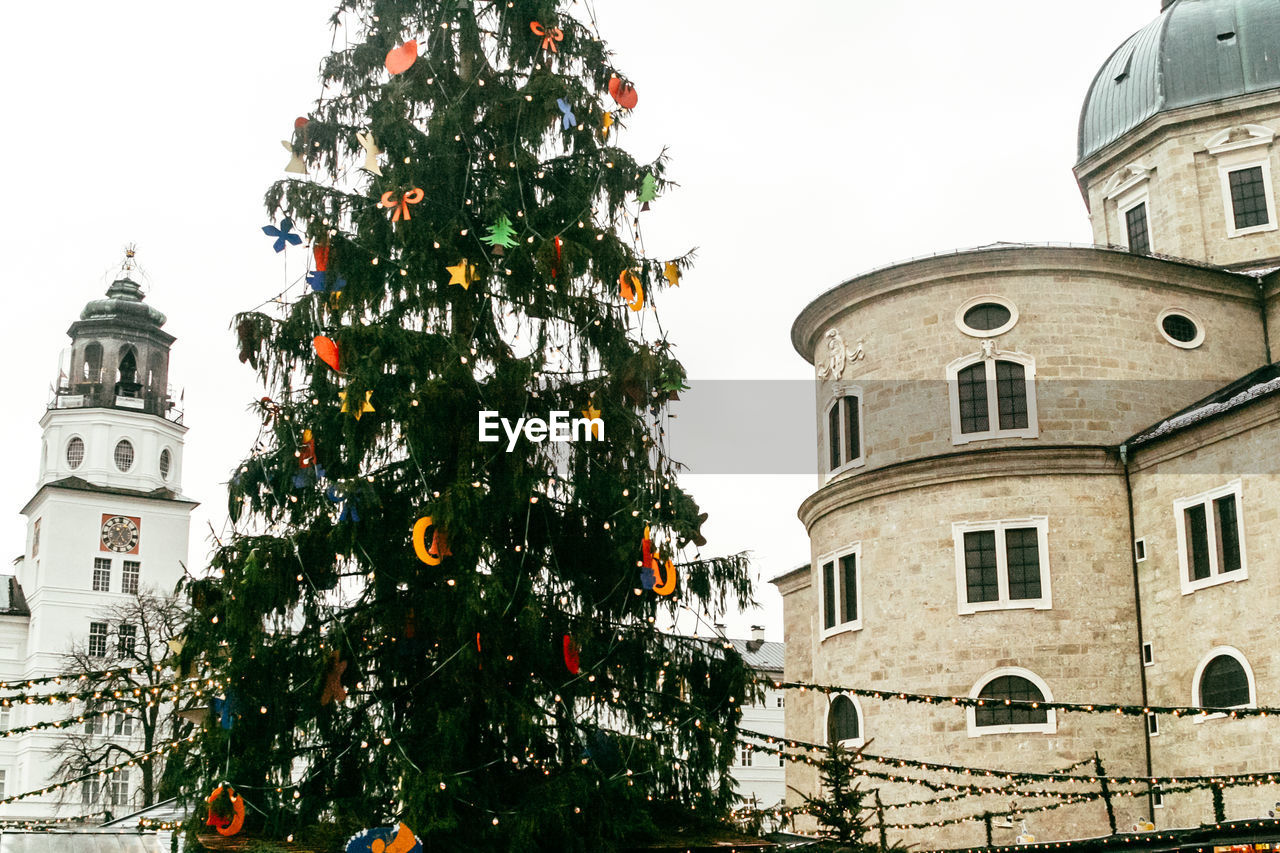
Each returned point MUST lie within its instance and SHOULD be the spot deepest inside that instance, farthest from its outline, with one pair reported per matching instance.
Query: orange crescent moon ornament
(632, 290)
(439, 549)
(400, 59)
(236, 823)
(327, 350)
(666, 585)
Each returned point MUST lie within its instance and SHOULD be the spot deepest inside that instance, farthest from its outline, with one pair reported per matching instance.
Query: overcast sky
(809, 147)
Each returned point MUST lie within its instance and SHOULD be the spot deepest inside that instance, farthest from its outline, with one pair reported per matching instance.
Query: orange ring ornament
(439, 549)
(236, 822)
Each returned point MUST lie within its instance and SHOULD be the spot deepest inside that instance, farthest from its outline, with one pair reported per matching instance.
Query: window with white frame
(840, 585)
(844, 721)
(128, 635)
(91, 792)
(1223, 679)
(1243, 155)
(98, 639)
(93, 725)
(101, 574)
(844, 431)
(1211, 538)
(744, 755)
(1002, 565)
(992, 396)
(119, 787)
(122, 724)
(6, 717)
(998, 690)
(132, 569)
(1129, 189)
(1137, 228)
(4, 779)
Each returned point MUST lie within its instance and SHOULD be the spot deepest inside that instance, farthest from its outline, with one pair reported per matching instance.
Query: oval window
(124, 455)
(1181, 329)
(165, 461)
(986, 316)
(75, 452)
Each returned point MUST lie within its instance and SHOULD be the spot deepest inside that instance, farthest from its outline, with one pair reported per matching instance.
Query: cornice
(1002, 463)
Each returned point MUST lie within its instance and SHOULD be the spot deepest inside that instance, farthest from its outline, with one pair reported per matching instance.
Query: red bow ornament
(550, 35)
(401, 205)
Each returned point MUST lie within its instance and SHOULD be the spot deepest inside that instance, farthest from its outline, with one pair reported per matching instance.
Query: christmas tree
(413, 624)
(839, 810)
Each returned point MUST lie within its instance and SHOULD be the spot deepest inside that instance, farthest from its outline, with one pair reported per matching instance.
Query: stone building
(106, 520)
(1050, 472)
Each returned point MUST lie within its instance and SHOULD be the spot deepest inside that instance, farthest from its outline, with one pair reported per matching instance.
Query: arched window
(844, 721)
(992, 396)
(844, 431)
(1223, 679)
(994, 716)
(91, 370)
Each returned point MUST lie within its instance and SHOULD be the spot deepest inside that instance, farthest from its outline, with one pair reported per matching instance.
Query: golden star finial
(462, 273)
(366, 406)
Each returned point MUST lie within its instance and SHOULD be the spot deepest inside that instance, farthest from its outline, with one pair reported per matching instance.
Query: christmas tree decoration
(606, 122)
(333, 689)
(571, 660)
(284, 234)
(321, 254)
(326, 350)
(226, 810)
(624, 93)
(501, 235)
(224, 709)
(400, 59)
(395, 839)
(365, 406)
(671, 272)
(464, 718)
(434, 555)
(462, 273)
(296, 166)
(591, 413)
(648, 190)
(632, 291)
(400, 204)
(371, 152)
(567, 119)
(549, 35)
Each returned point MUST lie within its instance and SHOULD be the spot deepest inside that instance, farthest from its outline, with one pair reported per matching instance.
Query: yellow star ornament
(608, 123)
(462, 273)
(591, 413)
(366, 406)
(671, 273)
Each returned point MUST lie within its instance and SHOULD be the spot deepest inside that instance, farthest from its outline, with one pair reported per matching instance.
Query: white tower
(107, 518)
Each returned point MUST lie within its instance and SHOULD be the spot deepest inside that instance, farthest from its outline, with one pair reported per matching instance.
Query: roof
(760, 654)
(1195, 52)
(1261, 383)
(14, 602)
(78, 484)
(55, 841)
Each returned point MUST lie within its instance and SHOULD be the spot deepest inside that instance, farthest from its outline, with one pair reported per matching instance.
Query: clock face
(119, 534)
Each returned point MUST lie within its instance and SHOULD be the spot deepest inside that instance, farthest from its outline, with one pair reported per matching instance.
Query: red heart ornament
(571, 654)
(327, 350)
(400, 59)
(623, 93)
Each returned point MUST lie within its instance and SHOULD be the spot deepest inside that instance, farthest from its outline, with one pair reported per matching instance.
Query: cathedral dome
(124, 300)
(1195, 52)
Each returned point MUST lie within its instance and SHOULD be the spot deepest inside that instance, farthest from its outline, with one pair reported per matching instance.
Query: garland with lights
(1075, 707)
(103, 772)
(99, 675)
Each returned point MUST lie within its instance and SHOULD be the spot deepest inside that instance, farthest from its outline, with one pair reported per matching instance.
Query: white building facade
(107, 519)
(760, 776)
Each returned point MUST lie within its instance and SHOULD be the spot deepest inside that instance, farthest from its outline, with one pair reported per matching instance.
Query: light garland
(104, 772)
(99, 694)
(82, 676)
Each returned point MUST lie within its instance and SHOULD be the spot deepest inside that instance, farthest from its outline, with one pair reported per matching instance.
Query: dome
(1195, 52)
(124, 300)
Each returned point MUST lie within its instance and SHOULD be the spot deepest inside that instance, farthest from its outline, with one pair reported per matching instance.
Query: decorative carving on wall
(989, 349)
(838, 355)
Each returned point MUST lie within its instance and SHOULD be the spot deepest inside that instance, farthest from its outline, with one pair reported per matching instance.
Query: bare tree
(130, 640)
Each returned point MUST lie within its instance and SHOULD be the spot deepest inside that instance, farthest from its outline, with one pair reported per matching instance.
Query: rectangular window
(780, 702)
(101, 574)
(35, 539)
(128, 639)
(6, 717)
(1248, 197)
(1211, 538)
(1157, 799)
(1002, 564)
(123, 724)
(91, 792)
(1135, 224)
(4, 779)
(1153, 724)
(1148, 655)
(971, 383)
(129, 577)
(844, 436)
(119, 792)
(93, 725)
(1011, 391)
(1140, 549)
(841, 591)
(98, 639)
(744, 756)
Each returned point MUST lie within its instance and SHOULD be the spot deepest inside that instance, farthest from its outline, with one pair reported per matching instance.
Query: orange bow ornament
(550, 35)
(401, 205)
